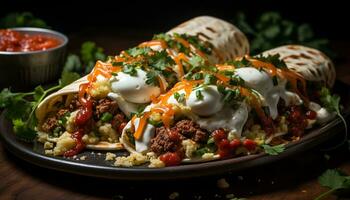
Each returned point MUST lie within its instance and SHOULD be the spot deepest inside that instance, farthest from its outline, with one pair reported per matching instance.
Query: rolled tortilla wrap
(228, 42)
(311, 63)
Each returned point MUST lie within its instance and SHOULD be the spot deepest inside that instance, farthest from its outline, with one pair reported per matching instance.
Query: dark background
(328, 18)
(117, 25)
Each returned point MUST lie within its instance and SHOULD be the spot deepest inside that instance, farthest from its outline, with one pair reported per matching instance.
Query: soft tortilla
(312, 64)
(228, 41)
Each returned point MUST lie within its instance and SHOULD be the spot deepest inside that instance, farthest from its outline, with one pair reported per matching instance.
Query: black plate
(95, 164)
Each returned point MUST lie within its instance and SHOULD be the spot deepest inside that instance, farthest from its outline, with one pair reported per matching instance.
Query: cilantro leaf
(152, 78)
(136, 51)
(273, 59)
(271, 30)
(329, 101)
(196, 61)
(179, 97)
(273, 150)
(89, 54)
(209, 79)
(73, 64)
(38, 92)
(332, 103)
(23, 131)
(160, 60)
(24, 19)
(199, 95)
(129, 69)
(68, 78)
(333, 179)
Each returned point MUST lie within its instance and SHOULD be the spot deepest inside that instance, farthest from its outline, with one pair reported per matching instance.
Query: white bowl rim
(63, 37)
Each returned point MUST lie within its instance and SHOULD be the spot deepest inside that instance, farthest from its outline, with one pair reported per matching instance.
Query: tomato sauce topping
(14, 41)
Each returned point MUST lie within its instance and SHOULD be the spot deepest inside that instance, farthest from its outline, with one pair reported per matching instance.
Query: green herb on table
(20, 107)
(332, 104)
(271, 30)
(335, 180)
(273, 150)
(89, 54)
(23, 19)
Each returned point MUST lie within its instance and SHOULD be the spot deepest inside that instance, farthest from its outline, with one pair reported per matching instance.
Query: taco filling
(225, 111)
(117, 89)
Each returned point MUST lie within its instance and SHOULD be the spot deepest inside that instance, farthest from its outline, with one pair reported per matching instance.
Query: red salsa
(11, 40)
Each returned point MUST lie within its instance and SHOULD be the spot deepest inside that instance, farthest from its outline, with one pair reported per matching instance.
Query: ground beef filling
(99, 108)
(170, 140)
(52, 122)
(104, 105)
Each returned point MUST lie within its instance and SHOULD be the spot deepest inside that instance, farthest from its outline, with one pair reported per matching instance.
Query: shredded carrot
(225, 67)
(141, 126)
(151, 43)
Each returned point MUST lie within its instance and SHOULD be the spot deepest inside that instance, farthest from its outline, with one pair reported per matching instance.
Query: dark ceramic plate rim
(314, 137)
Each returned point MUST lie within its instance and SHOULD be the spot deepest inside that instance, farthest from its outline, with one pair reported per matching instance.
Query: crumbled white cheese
(108, 133)
(156, 163)
(100, 89)
(70, 125)
(190, 146)
(42, 137)
(48, 145)
(208, 155)
(65, 142)
(132, 160)
(110, 156)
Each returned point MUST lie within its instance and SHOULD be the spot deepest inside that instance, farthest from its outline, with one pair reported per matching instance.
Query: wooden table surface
(294, 178)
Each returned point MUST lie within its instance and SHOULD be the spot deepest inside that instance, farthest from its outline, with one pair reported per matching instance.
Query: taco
(92, 112)
(235, 109)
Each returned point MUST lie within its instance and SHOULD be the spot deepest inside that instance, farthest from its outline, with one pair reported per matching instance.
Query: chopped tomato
(170, 159)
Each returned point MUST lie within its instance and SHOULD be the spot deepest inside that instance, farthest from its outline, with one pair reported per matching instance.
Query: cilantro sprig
(20, 107)
(271, 30)
(273, 150)
(332, 104)
(273, 59)
(335, 180)
(83, 63)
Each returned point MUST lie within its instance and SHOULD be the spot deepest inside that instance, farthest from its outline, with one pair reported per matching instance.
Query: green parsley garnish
(209, 79)
(179, 97)
(273, 59)
(130, 69)
(137, 51)
(332, 104)
(333, 179)
(152, 78)
(21, 110)
(199, 95)
(273, 150)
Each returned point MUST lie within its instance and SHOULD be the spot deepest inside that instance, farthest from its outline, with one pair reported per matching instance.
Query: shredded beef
(105, 105)
(191, 130)
(170, 141)
(163, 143)
(119, 121)
(52, 122)
(74, 104)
